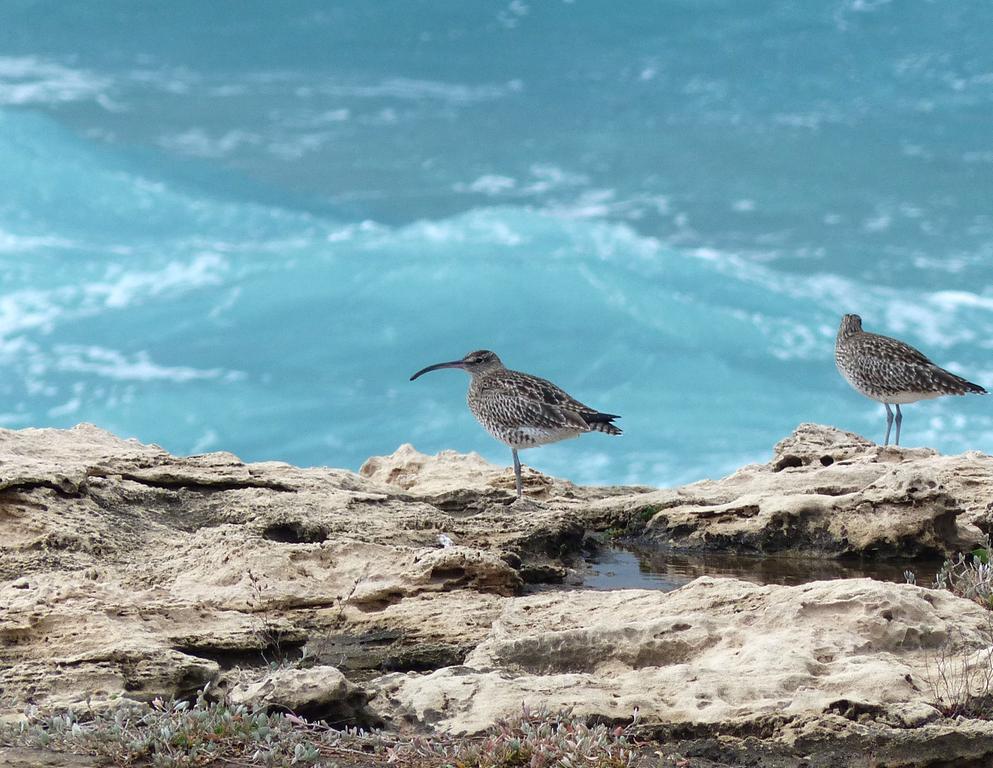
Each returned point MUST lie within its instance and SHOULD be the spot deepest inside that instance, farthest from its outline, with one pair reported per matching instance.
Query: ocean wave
(14, 243)
(409, 89)
(112, 364)
(566, 194)
(201, 322)
(125, 287)
(27, 80)
(42, 309)
(197, 142)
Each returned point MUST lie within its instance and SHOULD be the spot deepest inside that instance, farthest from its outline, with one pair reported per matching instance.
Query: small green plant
(647, 513)
(969, 576)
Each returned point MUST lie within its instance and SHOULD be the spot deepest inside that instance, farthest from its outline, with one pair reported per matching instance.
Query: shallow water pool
(633, 568)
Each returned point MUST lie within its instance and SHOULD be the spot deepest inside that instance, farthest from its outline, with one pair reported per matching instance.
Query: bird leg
(899, 421)
(517, 473)
(889, 422)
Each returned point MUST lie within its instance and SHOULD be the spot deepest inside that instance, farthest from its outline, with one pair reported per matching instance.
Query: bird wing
(892, 350)
(892, 376)
(534, 401)
(894, 366)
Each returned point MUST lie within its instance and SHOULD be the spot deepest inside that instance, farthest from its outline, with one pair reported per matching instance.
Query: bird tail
(956, 385)
(601, 422)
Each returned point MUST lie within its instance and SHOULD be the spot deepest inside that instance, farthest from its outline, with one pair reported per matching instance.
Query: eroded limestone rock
(716, 655)
(128, 573)
(317, 693)
(829, 493)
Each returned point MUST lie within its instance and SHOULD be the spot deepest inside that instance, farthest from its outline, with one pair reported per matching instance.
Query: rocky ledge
(418, 594)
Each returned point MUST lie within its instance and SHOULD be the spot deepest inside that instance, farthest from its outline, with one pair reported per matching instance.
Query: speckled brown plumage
(521, 410)
(891, 371)
(524, 411)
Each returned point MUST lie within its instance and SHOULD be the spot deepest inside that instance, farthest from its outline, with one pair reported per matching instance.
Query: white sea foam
(878, 223)
(412, 89)
(489, 184)
(334, 116)
(951, 301)
(543, 178)
(480, 226)
(853, 7)
(906, 316)
(33, 80)
(937, 320)
(510, 17)
(226, 303)
(565, 194)
(66, 409)
(42, 309)
(30, 309)
(174, 80)
(197, 142)
(591, 204)
(547, 177)
(14, 420)
(112, 364)
(302, 144)
(209, 439)
(13, 243)
(350, 231)
(132, 286)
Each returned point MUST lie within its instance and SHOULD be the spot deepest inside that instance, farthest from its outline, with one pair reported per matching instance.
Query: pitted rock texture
(129, 573)
(715, 655)
(826, 492)
(317, 693)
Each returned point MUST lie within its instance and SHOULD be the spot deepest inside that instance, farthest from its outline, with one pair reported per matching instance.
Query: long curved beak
(436, 366)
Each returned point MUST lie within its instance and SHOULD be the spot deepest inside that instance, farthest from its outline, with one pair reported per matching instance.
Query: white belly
(532, 437)
(908, 397)
(897, 398)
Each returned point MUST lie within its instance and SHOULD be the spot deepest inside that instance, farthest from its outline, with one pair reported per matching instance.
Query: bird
(892, 372)
(521, 410)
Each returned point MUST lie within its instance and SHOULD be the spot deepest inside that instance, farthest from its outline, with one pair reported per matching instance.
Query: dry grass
(961, 680)
(205, 734)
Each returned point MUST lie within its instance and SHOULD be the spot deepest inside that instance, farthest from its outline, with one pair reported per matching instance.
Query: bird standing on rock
(521, 410)
(892, 372)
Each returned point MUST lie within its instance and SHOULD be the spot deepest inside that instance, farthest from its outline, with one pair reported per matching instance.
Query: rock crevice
(128, 573)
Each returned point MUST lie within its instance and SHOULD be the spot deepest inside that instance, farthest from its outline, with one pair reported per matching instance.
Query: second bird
(892, 372)
(521, 410)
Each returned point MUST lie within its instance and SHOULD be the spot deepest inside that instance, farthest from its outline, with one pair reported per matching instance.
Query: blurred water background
(243, 225)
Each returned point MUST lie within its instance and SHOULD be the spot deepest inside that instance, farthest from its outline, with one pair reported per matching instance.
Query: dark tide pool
(617, 568)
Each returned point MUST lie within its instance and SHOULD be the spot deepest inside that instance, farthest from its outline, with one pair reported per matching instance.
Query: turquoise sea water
(243, 225)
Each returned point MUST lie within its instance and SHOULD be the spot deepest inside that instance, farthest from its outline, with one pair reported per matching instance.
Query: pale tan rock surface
(128, 573)
(828, 492)
(717, 653)
(318, 692)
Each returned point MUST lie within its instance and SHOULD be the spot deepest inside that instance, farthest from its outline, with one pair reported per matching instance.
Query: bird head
(850, 324)
(480, 361)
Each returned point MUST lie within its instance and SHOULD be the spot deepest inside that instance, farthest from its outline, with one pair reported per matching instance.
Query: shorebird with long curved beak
(891, 371)
(521, 410)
